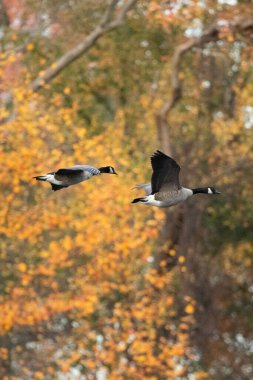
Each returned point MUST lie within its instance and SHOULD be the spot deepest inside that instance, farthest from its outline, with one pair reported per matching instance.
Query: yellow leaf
(30, 47)
(181, 259)
(66, 90)
(189, 309)
(22, 267)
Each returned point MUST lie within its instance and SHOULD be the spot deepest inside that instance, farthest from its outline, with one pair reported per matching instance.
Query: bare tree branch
(109, 12)
(107, 24)
(211, 34)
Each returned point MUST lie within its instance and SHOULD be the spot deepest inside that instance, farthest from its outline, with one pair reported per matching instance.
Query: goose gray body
(165, 189)
(72, 175)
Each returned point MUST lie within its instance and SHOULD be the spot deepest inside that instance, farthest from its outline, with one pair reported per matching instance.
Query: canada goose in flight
(165, 189)
(70, 176)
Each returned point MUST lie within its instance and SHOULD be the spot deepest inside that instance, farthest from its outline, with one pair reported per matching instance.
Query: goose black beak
(217, 192)
(115, 173)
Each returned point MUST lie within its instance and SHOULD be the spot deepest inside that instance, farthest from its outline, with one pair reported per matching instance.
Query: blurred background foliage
(92, 287)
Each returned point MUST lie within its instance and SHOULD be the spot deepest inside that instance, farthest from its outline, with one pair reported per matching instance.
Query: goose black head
(205, 190)
(107, 169)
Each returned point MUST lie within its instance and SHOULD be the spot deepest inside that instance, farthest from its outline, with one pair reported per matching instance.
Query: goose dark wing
(68, 174)
(165, 175)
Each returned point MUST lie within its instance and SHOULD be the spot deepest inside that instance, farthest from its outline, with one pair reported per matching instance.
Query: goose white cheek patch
(210, 191)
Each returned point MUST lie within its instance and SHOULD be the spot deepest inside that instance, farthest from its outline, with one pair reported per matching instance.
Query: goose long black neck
(201, 190)
(104, 169)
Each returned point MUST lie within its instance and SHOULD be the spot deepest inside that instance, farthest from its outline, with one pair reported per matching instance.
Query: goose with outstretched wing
(66, 177)
(165, 189)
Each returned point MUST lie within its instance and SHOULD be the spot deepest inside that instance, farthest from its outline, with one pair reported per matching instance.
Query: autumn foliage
(93, 287)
